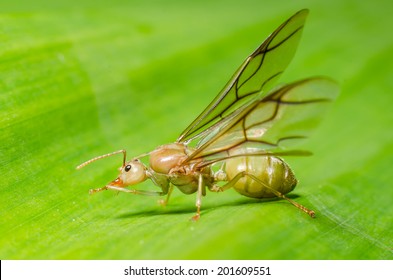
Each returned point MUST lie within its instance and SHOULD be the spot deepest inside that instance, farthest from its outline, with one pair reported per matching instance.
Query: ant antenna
(104, 156)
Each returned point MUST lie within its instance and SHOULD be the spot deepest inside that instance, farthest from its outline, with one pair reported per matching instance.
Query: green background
(83, 80)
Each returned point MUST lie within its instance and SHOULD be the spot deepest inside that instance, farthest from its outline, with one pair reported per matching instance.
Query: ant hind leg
(240, 175)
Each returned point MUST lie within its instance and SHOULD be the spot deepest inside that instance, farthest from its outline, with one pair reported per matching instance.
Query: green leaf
(77, 82)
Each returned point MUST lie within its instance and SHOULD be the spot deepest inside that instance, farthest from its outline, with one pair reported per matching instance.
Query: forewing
(257, 74)
(269, 125)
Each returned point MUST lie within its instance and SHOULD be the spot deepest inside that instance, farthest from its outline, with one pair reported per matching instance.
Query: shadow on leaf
(191, 209)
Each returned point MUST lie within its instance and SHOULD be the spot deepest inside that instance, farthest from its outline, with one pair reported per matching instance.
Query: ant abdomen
(271, 171)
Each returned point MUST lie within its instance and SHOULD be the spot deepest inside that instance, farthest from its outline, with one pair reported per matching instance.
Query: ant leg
(198, 199)
(139, 192)
(240, 175)
(164, 202)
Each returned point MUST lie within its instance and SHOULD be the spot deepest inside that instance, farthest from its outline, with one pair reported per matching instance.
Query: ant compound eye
(127, 168)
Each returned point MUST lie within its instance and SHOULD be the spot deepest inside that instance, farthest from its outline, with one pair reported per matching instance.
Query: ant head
(131, 173)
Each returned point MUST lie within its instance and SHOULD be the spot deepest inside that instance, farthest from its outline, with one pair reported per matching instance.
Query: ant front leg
(162, 182)
(120, 189)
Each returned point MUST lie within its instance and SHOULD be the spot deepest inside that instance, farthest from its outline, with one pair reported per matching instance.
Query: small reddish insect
(242, 133)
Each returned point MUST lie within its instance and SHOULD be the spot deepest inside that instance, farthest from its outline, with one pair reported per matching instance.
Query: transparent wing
(269, 125)
(258, 73)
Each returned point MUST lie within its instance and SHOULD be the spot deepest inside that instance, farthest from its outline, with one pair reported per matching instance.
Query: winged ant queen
(242, 133)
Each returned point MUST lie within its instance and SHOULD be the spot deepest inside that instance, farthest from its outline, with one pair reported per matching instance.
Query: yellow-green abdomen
(273, 172)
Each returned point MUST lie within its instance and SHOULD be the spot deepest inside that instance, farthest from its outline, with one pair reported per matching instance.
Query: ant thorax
(168, 157)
